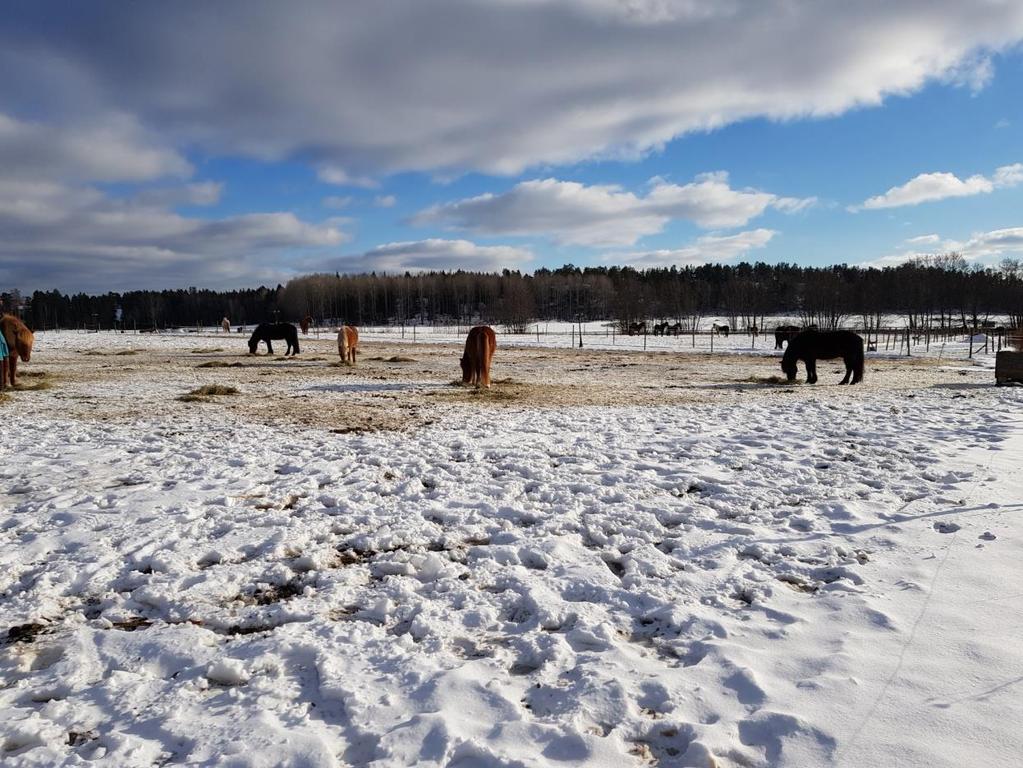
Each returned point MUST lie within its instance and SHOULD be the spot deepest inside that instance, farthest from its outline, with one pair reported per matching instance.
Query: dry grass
(205, 392)
(4, 397)
(769, 380)
(219, 364)
(393, 359)
(206, 350)
(41, 380)
(124, 352)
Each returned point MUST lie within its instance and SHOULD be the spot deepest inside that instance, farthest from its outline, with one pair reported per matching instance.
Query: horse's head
(253, 342)
(466, 371)
(25, 339)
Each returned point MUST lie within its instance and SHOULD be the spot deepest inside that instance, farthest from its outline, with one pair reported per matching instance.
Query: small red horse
(305, 323)
(19, 344)
(479, 351)
(347, 343)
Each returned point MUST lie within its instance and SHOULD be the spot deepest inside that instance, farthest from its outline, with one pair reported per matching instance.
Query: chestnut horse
(479, 351)
(811, 346)
(267, 331)
(305, 323)
(19, 343)
(347, 343)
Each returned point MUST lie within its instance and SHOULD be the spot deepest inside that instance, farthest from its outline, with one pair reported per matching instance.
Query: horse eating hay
(267, 331)
(347, 343)
(479, 351)
(811, 346)
(19, 343)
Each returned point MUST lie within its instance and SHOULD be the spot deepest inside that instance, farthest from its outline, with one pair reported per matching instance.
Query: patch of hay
(203, 393)
(401, 359)
(4, 397)
(41, 381)
(768, 380)
(206, 350)
(219, 364)
(124, 352)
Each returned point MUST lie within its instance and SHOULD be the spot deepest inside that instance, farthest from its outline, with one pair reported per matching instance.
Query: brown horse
(347, 343)
(19, 341)
(305, 323)
(479, 351)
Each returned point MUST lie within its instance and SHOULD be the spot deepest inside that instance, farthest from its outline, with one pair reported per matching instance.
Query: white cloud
(923, 239)
(110, 148)
(385, 201)
(605, 215)
(331, 174)
(337, 201)
(980, 247)
(928, 187)
(457, 85)
(78, 238)
(709, 249)
(433, 254)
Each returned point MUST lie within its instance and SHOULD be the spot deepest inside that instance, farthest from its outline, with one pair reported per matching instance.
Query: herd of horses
(480, 345)
(806, 345)
(800, 344)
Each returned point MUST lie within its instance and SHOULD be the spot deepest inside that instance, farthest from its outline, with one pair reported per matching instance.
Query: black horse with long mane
(267, 331)
(811, 346)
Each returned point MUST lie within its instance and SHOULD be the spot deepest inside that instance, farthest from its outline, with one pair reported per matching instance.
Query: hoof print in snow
(944, 527)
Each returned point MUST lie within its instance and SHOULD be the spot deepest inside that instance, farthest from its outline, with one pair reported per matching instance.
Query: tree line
(940, 291)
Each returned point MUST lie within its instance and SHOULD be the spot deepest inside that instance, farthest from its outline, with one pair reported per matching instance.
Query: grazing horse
(721, 330)
(267, 331)
(479, 351)
(660, 329)
(637, 329)
(785, 333)
(674, 330)
(19, 344)
(225, 325)
(347, 343)
(305, 323)
(811, 346)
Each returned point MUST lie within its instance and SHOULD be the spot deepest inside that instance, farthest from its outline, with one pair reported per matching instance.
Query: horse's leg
(848, 371)
(269, 347)
(811, 371)
(3, 374)
(12, 367)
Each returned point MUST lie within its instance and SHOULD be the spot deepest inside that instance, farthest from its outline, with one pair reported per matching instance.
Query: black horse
(267, 331)
(811, 346)
(784, 333)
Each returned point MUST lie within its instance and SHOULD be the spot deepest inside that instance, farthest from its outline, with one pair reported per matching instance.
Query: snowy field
(614, 558)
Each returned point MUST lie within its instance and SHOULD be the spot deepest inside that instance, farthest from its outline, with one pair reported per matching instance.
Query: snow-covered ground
(823, 576)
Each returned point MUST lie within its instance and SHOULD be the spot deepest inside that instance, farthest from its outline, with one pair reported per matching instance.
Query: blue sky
(160, 146)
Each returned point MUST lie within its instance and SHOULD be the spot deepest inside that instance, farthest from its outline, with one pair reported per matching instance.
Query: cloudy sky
(229, 144)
